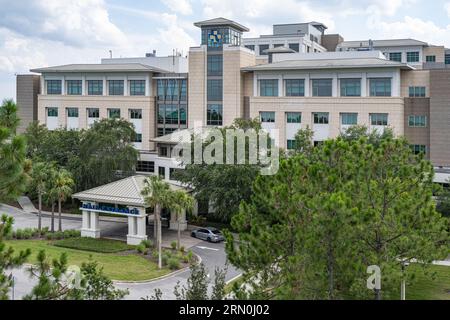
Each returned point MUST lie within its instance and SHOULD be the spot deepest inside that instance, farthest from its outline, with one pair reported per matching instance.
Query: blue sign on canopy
(112, 210)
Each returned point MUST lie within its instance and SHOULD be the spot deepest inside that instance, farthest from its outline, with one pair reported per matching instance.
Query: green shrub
(174, 263)
(190, 256)
(142, 249)
(155, 255)
(165, 259)
(185, 259)
(50, 236)
(18, 234)
(182, 249)
(147, 243)
(173, 244)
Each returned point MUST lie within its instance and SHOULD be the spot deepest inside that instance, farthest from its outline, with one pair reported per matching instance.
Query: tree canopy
(311, 230)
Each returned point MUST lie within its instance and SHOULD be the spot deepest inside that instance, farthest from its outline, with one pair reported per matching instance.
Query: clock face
(215, 39)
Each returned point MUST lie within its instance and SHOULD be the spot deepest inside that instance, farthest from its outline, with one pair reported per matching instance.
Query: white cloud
(447, 8)
(416, 28)
(388, 8)
(77, 22)
(183, 7)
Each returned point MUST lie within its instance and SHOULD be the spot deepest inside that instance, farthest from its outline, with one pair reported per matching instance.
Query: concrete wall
(197, 86)
(28, 88)
(394, 107)
(438, 51)
(103, 103)
(440, 117)
(414, 135)
(414, 78)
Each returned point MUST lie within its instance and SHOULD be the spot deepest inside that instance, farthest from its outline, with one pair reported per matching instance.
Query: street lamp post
(403, 285)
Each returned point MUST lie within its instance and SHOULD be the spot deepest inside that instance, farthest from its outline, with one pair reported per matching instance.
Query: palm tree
(8, 115)
(157, 194)
(40, 177)
(63, 189)
(181, 202)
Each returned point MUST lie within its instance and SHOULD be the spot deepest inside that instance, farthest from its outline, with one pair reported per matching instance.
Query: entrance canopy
(122, 198)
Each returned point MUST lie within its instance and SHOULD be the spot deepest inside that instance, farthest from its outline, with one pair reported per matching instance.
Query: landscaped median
(120, 261)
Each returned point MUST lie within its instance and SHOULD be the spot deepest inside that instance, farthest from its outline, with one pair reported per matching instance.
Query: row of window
(172, 89)
(413, 56)
(113, 113)
(172, 114)
(379, 87)
(376, 119)
(379, 119)
(95, 87)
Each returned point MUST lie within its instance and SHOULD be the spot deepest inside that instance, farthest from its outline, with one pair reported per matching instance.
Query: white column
(255, 85)
(175, 220)
(86, 220)
(43, 91)
(335, 85)
(364, 85)
(63, 86)
(105, 89)
(148, 86)
(95, 227)
(83, 85)
(125, 86)
(307, 86)
(280, 86)
(137, 230)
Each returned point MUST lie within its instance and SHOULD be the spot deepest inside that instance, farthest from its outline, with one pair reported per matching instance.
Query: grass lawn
(115, 266)
(94, 245)
(425, 288)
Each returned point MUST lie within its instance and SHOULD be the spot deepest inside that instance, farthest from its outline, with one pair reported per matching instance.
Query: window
(278, 45)
(183, 116)
(215, 92)
(380, 87)
(214, 115)
(72, 112)
(145, 166)
(349, 119)
(418, 92)
(262, 48)
(418, 149)
(115, 87)
(431, 58)
(160, 132)
(54, 87)
(322, 87)
(138, 138)
(172, 90)
(412, 56)
(161, 113)
(162, 172)
(74, 87)
(295, 88)
(183, 95)
(161, 84)
(268, 88)
(417, 121)
(294, 46)
(267, 117)
(395, 56)
(379, 119)
(250, 47)
(52, 112)
(135, 114)
(171, 114)
(321, 117)
(114, 113)
(293, 117)
(215, 65)
(95, 87)
(137, 87)
(93, 113)
(291, 144)
(447, 59)
(163, 152)
(350, 87)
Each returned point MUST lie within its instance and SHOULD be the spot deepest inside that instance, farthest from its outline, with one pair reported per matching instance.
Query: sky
(37, 33)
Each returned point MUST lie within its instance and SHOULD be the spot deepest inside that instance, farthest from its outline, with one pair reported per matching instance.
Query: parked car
(208, 234)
